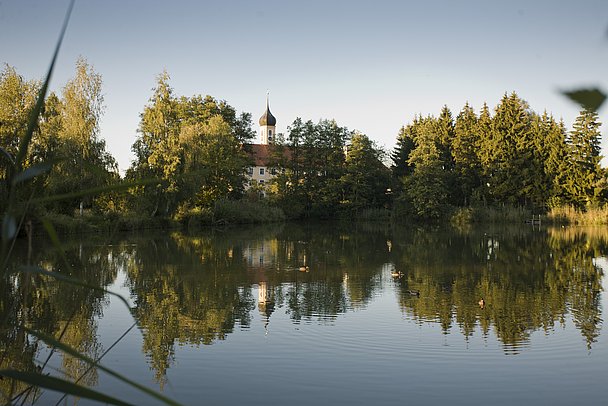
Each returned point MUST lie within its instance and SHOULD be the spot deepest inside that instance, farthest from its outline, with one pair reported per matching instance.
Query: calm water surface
(375, 316)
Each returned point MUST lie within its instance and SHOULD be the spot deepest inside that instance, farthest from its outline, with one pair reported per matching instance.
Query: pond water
(321, 313)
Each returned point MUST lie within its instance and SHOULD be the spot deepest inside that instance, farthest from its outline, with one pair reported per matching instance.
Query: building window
(262, 171)
(261, 181)
(273, 171)
(250, 171)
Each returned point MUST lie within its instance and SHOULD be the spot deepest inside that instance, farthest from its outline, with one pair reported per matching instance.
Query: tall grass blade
(35, 113)
(72, 281)
(95, 190)
(99, 359)
(9, 227)
(60, 385)
(70, 351)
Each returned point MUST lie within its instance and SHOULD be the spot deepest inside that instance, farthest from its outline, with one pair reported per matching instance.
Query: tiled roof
(261, 153)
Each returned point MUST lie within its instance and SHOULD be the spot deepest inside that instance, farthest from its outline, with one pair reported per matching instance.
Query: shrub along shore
(231, 213)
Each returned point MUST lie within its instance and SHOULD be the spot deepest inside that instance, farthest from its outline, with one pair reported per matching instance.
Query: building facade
(261, 173)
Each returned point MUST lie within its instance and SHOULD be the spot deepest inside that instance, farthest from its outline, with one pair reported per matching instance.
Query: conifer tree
(485, 154)
(550, 148)
(403, 149)
(464, 151)
(586, 177)
(365, 178)
(515, 171)
(444, 128)
(426, 189)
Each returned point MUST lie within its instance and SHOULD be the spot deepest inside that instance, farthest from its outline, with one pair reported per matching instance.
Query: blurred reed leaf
(9, 227)
(96, 190)
(8, 156)
(74, 353)
(60, 385)
(35, 113)
(9, 232)
(31, 172)
(590, 99)
(71, 281)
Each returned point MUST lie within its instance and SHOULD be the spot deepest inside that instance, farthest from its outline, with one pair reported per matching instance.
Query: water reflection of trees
(187, 290)
(529, 281)
(64, 311)
(194, 289)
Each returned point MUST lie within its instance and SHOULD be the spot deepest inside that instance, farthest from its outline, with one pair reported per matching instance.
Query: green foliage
(366, 179)
(245, 212)
(310, 176)
(194, 145)
(20, 176)
(467, 165)
(404, 147)
(425, 191)
(64, 153)
(585, 179)
(571, 215)
(514, 157)
(224, 212)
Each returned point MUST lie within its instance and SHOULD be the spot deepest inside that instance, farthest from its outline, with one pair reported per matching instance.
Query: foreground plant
(18, 174)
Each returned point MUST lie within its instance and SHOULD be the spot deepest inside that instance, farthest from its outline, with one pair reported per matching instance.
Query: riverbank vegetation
(192, 155)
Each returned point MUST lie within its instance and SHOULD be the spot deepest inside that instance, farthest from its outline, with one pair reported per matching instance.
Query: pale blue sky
(371, 65)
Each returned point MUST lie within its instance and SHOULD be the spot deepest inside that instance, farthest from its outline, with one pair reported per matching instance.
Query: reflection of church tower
(265, 304)
(267, 126)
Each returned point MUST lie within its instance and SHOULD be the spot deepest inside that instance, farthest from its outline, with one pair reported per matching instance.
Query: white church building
(261, 172)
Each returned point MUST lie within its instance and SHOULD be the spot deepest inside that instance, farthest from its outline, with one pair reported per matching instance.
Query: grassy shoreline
(229, 213)
(559, 216)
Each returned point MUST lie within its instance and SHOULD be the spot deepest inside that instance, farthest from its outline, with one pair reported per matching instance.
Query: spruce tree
(464, 151)
(585, 177)
(516, 171)
(426, 189)
(485, 156)
(550, 147)
(403, 149)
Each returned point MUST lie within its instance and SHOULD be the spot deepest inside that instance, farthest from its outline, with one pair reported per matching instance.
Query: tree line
(192, 154)
(512, 157)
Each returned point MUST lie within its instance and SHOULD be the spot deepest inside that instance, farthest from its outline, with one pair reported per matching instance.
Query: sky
(370, 65)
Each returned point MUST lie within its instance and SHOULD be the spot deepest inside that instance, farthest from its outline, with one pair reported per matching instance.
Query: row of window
(273, 171)
(253, 182)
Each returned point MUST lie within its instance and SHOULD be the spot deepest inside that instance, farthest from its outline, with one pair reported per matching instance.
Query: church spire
(267, 124)
(267, 118)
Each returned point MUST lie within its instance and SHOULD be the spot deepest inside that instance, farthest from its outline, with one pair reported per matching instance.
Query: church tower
(267, 126)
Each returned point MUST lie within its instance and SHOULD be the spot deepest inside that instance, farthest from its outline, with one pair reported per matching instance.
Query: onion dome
(267, 118)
